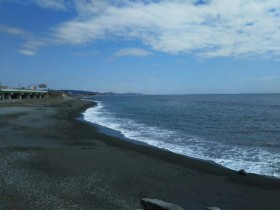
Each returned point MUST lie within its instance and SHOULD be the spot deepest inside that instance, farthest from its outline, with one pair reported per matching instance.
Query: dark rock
(242, 172)
(155, 204)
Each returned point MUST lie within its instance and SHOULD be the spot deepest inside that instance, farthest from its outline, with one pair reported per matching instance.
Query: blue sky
(154, 47)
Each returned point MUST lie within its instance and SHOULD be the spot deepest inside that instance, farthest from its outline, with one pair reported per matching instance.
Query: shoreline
(86, 168)
(118, 134)
(179, 157)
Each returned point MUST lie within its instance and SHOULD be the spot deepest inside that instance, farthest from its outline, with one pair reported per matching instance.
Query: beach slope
(52, 160)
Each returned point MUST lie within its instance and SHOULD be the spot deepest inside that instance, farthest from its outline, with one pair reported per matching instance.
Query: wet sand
(51, 160)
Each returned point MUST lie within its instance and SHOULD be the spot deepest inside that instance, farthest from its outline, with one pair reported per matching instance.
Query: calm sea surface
(236, 131)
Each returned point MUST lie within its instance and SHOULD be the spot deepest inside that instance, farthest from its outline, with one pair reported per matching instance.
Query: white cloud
(27, 52)
(51, 4)
(217, 28)
(13, 31)
(132, 52)
(31, 44)
(35, 43)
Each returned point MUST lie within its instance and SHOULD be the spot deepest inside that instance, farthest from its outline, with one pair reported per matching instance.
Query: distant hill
(79, 92)
(121, 94)
(91, 93)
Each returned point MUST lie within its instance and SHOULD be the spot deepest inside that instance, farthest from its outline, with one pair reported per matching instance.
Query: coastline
(72, 165)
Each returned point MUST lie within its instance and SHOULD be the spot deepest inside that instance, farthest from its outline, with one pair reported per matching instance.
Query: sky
(142, 46)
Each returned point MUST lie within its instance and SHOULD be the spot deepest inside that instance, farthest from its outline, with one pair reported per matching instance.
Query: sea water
(236, 131)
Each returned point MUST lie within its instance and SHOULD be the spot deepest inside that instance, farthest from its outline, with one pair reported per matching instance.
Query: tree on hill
(42, 86)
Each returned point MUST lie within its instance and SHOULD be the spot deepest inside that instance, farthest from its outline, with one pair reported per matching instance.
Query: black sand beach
(51, 160)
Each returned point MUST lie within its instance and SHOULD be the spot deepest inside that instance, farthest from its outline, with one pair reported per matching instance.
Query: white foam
(252, 160)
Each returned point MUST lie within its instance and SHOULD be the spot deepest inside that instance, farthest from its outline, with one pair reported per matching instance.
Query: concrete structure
(22, 94)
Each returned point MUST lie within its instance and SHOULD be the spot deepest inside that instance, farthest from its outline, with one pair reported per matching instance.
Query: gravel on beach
(49, 159)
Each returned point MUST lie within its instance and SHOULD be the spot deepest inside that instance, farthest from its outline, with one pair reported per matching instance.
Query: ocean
(236, 131)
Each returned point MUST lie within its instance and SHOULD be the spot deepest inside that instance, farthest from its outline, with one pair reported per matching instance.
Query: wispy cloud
(210, 28)
(216, 28)
(265, 78)
(131, 52)
(13, 31)
(31, 44)
(45, 4)
(27, 52)
(27, 48)
(51, 4)
(85, 53)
